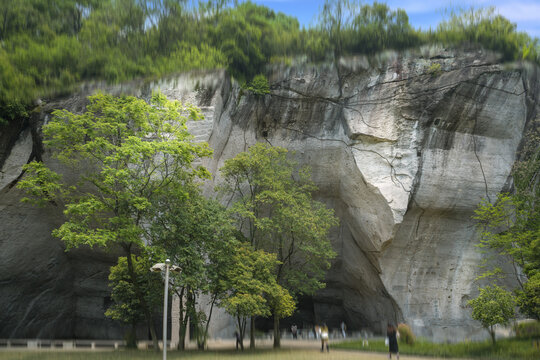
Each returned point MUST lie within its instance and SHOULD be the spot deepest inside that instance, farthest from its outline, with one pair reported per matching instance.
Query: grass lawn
(503, 350)
(262, 354)
(506, 349)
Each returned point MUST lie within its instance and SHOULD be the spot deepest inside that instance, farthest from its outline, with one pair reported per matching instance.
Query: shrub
(434, 69)
(527, 330)
(259, 85)
(406, 334)
(493, 306)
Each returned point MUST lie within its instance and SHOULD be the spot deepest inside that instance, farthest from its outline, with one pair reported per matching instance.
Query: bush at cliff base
(528, 330)
(405, 334)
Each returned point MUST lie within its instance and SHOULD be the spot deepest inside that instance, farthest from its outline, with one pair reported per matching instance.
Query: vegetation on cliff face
(47, 46)
(511, 228)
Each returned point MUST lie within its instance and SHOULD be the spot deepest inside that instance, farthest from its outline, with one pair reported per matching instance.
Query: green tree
(528, 299)
(511, 227)
(198, 235)
(335, 19)
(377, 27)
(493, 306)
(259, 85)
(253, 288)
(485, 27)
(241, 43)
(275, 210)
(124, 153)
(126, 306)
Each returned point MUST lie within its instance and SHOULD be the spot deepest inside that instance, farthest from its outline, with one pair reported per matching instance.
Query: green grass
(504, 349)
(260, 354)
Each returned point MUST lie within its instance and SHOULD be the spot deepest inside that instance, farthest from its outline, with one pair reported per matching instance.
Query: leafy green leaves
(126, 306)
(493, 306)
(250, 281)
(40, 183)
(47, 49)
(485, 27)
(275, 209)
(125, 154)
(259, 85)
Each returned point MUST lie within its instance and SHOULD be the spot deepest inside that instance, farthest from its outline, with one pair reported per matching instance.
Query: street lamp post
(159, 268)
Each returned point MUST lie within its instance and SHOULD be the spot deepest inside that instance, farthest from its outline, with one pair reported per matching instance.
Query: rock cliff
(402, 148)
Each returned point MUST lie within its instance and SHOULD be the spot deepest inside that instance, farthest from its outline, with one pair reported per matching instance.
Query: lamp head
(158, 267)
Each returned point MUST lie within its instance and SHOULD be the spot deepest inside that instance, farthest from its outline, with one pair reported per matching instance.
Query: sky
(425, 13)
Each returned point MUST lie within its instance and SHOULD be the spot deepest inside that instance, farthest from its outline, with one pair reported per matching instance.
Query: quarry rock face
(402, 149)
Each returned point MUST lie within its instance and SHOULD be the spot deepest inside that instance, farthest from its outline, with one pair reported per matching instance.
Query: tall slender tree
(124, 154)
(273, 203)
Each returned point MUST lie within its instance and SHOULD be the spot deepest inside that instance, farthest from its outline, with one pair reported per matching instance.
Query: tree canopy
(493, 306)
(271, 199)
(253, 290)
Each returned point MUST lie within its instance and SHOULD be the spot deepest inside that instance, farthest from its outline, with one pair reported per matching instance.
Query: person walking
(391, 333)
(324, 337)
(365, 341)
(294, 331)
(344, 329)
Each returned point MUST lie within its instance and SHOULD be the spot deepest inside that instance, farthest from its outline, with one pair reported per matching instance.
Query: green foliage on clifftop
(47, 47)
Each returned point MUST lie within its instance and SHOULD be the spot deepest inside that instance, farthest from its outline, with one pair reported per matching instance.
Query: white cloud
(520, 11)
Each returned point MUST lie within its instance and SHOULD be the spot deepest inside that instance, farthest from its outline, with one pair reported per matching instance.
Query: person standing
(344, 329)
(365, 341)
(294, 331)
(324, 337)
(391, 333)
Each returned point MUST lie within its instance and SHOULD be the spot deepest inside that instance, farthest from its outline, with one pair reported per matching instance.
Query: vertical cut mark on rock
(476, 152)
(416, 249)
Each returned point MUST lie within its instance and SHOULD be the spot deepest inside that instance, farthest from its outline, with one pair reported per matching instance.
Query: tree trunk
(241, 331)
(277, 335)
(252, 334)
(184, 326)
(492, 333)
(140, 296)
(183, 331)
(183, 320)
(131, 338)
(208, 320)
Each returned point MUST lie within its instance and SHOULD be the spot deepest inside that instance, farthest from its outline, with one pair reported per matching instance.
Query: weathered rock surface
(402, 153)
